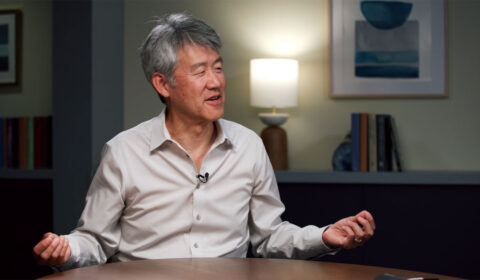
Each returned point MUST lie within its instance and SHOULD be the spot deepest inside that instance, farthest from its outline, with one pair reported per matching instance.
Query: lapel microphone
(203, 178)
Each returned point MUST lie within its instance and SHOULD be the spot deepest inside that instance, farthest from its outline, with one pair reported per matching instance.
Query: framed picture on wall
(10, 48)
(388, 49)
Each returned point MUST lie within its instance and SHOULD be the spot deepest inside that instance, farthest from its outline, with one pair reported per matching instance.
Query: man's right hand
(52, 250)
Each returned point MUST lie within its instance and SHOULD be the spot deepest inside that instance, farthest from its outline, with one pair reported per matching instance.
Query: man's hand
(350, 232)
(52, 250)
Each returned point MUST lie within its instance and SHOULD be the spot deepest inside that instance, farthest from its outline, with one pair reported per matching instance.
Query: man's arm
(98, 233)
(271, 237)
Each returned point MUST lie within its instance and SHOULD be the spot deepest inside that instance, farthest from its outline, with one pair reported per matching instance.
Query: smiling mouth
(214, 98)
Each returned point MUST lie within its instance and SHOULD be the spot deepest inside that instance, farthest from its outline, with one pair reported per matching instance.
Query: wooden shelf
(26, 173)
(404, 178)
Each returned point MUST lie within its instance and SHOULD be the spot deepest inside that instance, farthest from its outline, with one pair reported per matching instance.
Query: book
(393, 137)
(11, 143)
(384, 150)
(4, 148)
(372, 143)
(364, 142)
(22, 142)
(39, 141)
(30, 141)
(48, 142)
(355, 132)
(1, 142)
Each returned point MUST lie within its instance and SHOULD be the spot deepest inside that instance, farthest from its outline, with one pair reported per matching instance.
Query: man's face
(199, 92)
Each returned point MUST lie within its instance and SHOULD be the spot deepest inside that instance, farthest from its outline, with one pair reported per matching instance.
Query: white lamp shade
(273, 82)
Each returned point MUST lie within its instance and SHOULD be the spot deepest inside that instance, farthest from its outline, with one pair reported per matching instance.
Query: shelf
(404, 178)
(312, 177)
(26, 173)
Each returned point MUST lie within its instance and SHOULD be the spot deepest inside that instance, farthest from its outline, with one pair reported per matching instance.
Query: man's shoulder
(235, 131)
(136, 134)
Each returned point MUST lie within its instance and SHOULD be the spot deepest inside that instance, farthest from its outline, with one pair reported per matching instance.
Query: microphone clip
(203, 178)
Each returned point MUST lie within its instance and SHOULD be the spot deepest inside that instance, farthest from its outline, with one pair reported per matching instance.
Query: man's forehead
(198, 55)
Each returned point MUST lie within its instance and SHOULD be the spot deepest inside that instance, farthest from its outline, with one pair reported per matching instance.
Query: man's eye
(200, 72)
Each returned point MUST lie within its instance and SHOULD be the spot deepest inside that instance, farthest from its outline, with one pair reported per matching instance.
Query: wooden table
(233, 269)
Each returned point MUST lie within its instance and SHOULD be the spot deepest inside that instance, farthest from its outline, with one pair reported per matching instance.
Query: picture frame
(388, 49)
(10, 48)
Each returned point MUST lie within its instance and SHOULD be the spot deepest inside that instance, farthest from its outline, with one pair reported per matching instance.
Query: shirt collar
(160, 134)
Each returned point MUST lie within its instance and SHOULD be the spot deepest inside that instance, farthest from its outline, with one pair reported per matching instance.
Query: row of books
(26, 142)
(374, 143)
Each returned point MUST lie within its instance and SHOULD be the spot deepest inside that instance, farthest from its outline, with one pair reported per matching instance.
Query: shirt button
(195, 245)
(198, 217)
(198, 186)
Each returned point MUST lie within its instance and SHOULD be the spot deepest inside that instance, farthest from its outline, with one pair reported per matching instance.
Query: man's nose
(214, 79)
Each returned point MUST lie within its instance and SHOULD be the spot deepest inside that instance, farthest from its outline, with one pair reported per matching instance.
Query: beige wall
(434, 134)
(35, 96)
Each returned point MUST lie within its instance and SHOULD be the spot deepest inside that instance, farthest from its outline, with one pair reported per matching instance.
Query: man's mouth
(214, 98)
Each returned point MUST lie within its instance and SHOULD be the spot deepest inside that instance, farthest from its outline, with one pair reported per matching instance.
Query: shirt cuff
(325, 248)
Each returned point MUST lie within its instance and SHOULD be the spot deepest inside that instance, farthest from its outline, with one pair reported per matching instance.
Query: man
(188, 183)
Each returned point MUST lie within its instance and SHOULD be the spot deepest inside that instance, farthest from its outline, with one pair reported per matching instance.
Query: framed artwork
(388, 49)
(10, 48)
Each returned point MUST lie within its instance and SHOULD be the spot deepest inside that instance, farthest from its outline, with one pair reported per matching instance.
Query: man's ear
(161, 84)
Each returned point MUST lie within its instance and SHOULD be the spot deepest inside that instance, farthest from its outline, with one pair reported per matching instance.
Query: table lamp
(273, 84)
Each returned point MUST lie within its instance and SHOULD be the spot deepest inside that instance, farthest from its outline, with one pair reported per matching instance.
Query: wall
(35, 96)
(434, 134)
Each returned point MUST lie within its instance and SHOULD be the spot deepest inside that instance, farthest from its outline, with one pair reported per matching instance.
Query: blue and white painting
(4, 47)
(386, 42)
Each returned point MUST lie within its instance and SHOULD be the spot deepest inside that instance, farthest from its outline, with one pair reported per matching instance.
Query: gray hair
(159, 50)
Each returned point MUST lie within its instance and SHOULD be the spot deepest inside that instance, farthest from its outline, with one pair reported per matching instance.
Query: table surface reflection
(233, 269)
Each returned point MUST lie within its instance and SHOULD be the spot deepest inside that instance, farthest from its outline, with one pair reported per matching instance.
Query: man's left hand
(350, 232)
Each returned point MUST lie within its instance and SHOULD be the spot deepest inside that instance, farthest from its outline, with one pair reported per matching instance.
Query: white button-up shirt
(146, 202)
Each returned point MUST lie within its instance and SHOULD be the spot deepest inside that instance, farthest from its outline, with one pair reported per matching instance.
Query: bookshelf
(321, 177)
(10, 173)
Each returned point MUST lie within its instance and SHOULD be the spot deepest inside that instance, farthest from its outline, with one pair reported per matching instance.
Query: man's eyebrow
(219, 59)
(203, 63)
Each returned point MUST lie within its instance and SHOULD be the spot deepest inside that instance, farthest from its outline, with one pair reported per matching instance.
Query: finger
(61, 259)
(349, 234)
(42, 245)
(48, 234)
(68, 253)
(65, 248)
(359, 233)
(366, 227)
(348, 243)
(47, 253)
(56, 253)
(366, 215)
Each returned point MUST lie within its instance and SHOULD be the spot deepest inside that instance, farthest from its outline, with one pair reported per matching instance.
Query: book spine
(30, 141)
(9, 144)
(388, 144)
(364, 142)
(15, 144)
(372, 143)
(394, 140)
(39, 142)
(48, 142)
(355, 126)
(381, 143)
(1, 142)
(4, 148)
(22, 142)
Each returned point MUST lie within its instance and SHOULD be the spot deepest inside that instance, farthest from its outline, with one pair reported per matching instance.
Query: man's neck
(195, 137)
